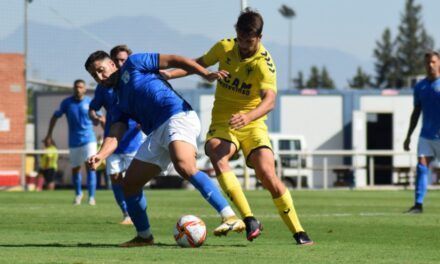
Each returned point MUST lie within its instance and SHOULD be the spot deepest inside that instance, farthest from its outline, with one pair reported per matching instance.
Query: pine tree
(385, 65)
(314, 79)
(412, 42)
(299, 81)
(326, 81)
(361, 80)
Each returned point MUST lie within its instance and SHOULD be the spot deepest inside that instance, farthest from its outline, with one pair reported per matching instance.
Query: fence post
(23, 171)
(298, 182)
(245, 176)
(325, 172)
(371, 169)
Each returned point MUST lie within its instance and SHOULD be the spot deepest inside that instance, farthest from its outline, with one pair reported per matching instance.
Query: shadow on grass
(91, 245)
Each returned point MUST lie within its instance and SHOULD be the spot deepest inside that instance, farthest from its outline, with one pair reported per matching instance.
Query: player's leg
(76, 181)
(87, 151)
(263, 162)
(49, 177)
(220, 152)
(183, 157)
(115, 168)
(425, 153)
(179, 135)
(137, 175)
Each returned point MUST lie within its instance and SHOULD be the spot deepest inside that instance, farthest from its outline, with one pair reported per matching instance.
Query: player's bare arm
(109, 145)
(412, 125)
(97, 119)
(182, 72)
(240, 120)
(52, 124)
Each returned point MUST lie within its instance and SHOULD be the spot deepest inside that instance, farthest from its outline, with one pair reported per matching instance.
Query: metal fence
(359, 166)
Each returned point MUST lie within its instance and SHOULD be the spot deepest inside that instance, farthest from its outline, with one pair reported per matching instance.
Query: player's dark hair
(120, 48)
(431, 53)
(78, 81)
(96, 56)
(250, 23)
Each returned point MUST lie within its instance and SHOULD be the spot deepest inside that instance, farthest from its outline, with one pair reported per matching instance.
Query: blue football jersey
(80, 126)
(133, 138)
(144, 95)
(427, 96)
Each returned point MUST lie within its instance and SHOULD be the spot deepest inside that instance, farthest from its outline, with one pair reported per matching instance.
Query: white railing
(354, 155)
(23, 154)
(325, 168)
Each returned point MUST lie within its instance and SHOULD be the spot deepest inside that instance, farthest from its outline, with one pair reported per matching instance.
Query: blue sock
(137, 210)
(209, 191)
(76, 181)
(119, 197)
(421, 182)
(91, 183)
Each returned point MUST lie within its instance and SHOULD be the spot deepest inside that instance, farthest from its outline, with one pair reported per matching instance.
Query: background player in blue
(119, 161)
(427, 102)
(172, 128)
(82, 140)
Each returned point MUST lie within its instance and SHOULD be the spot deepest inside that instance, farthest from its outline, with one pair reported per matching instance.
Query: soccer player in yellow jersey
(242, 99)
(49, 163)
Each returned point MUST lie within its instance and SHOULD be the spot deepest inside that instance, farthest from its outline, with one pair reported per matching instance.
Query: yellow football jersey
(240, 92)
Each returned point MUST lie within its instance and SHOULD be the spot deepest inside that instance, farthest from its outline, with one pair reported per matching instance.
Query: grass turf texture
(347, 226)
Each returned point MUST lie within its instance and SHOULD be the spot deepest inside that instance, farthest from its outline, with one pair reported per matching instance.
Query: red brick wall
(13, 105)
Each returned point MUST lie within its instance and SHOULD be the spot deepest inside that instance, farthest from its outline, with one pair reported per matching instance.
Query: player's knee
(116, 178)
(185, 169)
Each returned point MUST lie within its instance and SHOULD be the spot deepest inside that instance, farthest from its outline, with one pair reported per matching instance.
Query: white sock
(227, 212)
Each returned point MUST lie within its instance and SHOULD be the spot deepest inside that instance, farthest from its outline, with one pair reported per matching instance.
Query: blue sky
(352, 26)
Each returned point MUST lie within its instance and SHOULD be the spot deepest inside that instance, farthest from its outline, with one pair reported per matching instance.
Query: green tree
(314, 79)
(385, 65)
(299, 81)
(412, 42)
(361, 80)
(326, 81)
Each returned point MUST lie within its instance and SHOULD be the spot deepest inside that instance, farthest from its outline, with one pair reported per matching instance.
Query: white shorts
(118, 163)
(183, 126)
(80, 154)
(428, 148)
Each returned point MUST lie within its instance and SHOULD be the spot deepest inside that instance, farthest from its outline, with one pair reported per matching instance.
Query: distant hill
(58, 54)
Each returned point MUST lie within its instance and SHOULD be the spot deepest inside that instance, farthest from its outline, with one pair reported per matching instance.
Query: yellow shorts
(248, 138)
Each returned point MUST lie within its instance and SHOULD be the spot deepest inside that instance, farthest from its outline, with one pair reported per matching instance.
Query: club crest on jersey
(249, 70)
(125, 77)
(228, 61)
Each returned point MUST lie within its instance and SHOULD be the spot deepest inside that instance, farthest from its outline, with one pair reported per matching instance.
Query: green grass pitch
(347, 226)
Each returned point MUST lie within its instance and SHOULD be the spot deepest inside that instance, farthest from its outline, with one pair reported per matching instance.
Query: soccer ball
(190, 231)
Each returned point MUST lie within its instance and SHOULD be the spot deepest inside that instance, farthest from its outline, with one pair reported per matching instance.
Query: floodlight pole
(243, 4)
(25, 38)
(288, 13)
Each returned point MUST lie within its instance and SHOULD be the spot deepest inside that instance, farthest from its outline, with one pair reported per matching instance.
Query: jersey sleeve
(145, 62)
(61, 110)
(214, 54)
(98, 100)
(417, 102)
(118, 116)
(267, 73)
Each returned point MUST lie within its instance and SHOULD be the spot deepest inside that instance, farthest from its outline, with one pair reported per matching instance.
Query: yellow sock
(287, 212)
(231, 186)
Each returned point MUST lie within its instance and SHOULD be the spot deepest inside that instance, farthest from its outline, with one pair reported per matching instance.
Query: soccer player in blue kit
(427, 102)
(82, 140)
(118, 162)
(172, 128)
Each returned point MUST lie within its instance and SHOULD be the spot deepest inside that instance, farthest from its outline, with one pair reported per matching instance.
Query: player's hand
(239, 120)
(406, 144)
(94, 161)
(165, 74)
(219, 75)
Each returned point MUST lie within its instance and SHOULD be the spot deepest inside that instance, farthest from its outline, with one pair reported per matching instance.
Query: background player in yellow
(242, 99)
